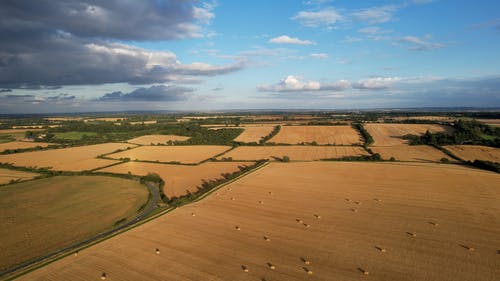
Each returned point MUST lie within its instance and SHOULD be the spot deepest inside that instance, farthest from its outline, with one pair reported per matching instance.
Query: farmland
(183, 154)
(473, 152)
(74, 135)
(66, 159)
(40, 216)
(20, 145)
(337, 221)
(156, 139)
(7, 175)
(254, 134)
(414, 153)
(390, 134)
(179, 179)
(340, 135)
(295, 152)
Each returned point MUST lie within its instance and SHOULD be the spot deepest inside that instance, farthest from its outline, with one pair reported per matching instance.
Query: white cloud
(376, 14)
(419, 44)
(319, 55)
(294, 83)
(285, 39)
(326, 17)
(376, 83)
(350, 39)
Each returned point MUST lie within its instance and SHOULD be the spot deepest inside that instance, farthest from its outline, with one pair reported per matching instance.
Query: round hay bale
(245, 269)
(103, 276)
(317, 216)
(267, 239)
(76, 254)
(237, 228)
(261, 202)
(157, 251)
(271, 266)
(193, 214)
(307, 225)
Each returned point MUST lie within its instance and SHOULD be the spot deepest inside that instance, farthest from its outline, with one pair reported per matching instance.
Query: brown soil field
(155, 139)
(473, 152)
(340, 135)
(7, 175)
(390, 134)
(295, 152)
(348, 221)
(179, 179)
(254, 134)
(491, 122)
(20, 145)
(181, 153)
(66, 159)
(414, 153)
(40, 216)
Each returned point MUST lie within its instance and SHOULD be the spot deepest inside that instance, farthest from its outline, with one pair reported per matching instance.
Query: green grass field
(40, 216)
(74, 135)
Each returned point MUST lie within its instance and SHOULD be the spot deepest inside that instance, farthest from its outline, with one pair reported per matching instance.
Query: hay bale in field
(76, 254)
(237, 228)
(103, 276)
(261, 202)
(271, 266)
(193, 214)
(232, 198)
(357, 202)
(270, 193)
(380, 249)
(307, 270)
(267, 239)
(305, 261)
(412, 234)
(468, 247)
(157, 251)
(317, 216)
(245, 269)
(363, 271)
(348, 200)
(298, 220)
(377, 199)
(433, 223)
(307, 225)
(354, 210)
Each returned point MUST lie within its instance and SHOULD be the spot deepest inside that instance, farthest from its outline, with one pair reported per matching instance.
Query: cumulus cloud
(54, 43)
(318, 55)
(375, 15)
(293, 83)
(154, 93)
(326, 17)
(285, 39)
(419, 44)
(375, 83)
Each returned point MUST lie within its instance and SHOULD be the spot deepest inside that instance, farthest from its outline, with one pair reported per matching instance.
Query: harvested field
(390, 134)
(179, 179)
(157, 139)
(473, 152)
(340, 135)
(188, 154)
(418, 229)
(66, 159)
(40, 216)
(7, 175)
(414, 153)
(254, 134)
(491, 122)
(21, 145)
(295, 152)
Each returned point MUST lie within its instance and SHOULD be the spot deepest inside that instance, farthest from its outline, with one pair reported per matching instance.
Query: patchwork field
(7, 175)
(340, 135)
(66, 159)
(390, 134)
(156, 139)
(336, 221)
(179, 179)
(254, 134)
(416, 153)
(40, 216)
(20, 145)
(188, 154)
(295, 152)
(473, 152)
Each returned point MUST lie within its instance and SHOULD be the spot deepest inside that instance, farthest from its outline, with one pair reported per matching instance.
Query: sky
(82, 56)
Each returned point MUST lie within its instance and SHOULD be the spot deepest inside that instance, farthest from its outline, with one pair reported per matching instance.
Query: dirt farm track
(314, 221)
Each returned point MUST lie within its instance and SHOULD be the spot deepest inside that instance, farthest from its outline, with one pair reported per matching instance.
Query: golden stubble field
(340, 135)
(295, 152)
(473, 152)
(66, 159)
(254, 134)
(156, 139)
(40, 216)
(390, 134)
(392, 221)
(188, 154)
(7, 175)
(412, 153)
(21, 145)
(179, 179)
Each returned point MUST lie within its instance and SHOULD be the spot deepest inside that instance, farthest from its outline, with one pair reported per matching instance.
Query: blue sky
(195, 55)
